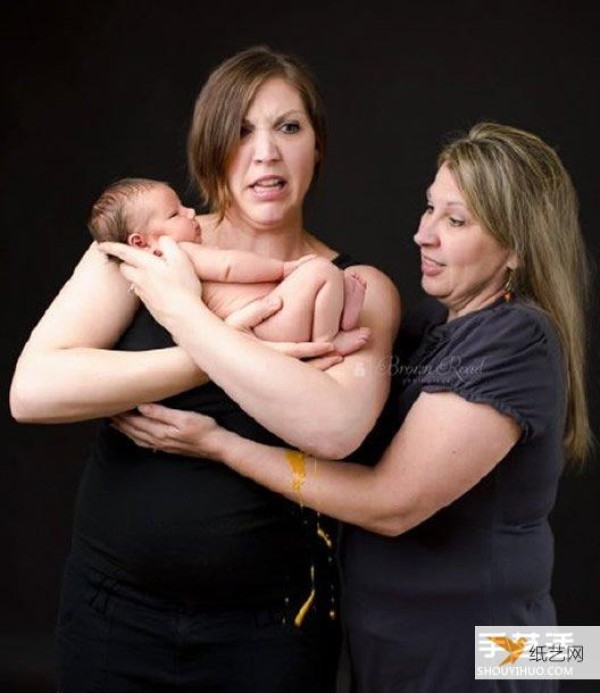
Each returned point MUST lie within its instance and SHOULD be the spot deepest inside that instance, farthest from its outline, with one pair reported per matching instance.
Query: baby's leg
(313, 300)
(355, 288)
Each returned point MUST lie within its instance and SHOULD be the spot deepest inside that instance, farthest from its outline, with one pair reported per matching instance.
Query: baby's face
(166, 216)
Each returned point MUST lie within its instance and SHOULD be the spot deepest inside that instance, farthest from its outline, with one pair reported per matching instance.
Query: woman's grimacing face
(271, 171)
(462, 264)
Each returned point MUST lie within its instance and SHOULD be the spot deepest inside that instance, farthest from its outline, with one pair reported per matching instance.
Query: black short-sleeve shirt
(486, 558)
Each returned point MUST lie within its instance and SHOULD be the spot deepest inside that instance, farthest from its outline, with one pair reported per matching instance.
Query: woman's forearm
(418, 474)
(326, 414)
(67, 372)
(77, 384)
(349, 492)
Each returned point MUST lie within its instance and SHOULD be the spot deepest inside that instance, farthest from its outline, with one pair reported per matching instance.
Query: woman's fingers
(169, 430)
(179, 264)
(160, 279)
(325, 362)
(254, 313)
(301, 350)
(171, 253)
(136, 428)
(132, 256)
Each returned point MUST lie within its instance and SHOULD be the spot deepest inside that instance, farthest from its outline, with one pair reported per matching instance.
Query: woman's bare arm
(443, 448)
(66, 371)
(326, 413)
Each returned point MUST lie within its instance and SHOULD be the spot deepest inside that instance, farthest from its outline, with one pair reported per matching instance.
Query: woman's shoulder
(512, 323)
(502, 330)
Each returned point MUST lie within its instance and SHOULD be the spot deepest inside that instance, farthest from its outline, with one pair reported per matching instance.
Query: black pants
(117, 639)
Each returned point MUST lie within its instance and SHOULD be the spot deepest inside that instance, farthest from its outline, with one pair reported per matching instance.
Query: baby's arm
(237, 266)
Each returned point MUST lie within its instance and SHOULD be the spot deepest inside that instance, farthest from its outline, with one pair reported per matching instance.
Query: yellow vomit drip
(296, 460)
(325, 537)
(303, 610)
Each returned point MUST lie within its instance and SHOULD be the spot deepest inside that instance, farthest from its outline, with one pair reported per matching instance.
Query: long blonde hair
(518, 188)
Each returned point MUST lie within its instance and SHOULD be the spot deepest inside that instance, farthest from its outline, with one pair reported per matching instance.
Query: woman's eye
(245, 130)
(456, 222)
(290, 127)
(428, 208)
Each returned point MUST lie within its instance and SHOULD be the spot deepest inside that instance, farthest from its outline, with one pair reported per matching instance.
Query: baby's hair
(109, 219)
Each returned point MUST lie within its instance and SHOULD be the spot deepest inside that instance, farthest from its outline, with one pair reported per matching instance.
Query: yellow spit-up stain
(297, 462)
(324, 536)
(303, 610)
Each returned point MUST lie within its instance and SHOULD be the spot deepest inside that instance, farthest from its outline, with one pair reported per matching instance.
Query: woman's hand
(161, 282)
(174, 431)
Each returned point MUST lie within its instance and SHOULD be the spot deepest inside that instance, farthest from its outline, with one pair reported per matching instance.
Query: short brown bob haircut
(222, 105)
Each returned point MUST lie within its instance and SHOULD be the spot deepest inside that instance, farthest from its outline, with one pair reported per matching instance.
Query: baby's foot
(355, 288)
(345, 343)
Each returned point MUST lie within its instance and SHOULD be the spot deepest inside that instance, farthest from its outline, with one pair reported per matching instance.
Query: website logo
(543, 652)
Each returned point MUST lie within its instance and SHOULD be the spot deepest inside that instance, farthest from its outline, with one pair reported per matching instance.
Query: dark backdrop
(93, 92)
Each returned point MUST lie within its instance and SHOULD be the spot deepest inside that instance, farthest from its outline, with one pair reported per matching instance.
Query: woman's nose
(190, 212)
(426, 234)
(265, 146)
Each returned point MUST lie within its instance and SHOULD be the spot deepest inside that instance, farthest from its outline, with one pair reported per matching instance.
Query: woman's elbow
(342, 437)
(390, 526)
(25, 401)
(22, 402)
(393, 516)
(396, 522)
(19, 405)
(334, 445)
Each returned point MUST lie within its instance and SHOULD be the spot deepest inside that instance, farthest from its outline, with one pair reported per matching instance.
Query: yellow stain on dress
(324, 536)
(303, 610)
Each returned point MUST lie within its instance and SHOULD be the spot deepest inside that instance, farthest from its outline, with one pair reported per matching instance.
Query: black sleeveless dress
(190, 528)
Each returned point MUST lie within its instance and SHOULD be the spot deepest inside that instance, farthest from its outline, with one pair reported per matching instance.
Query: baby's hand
(291, 265)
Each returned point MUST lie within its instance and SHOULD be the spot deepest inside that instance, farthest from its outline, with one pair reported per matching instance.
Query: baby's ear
(136, 240)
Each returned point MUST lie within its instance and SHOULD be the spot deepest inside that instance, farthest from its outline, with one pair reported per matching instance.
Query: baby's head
(137, 211)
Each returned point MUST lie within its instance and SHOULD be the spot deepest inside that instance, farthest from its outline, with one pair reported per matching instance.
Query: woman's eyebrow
(287, 114)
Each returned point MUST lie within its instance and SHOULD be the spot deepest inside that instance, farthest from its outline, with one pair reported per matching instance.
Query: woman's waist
(195, 580)
(199, 528)
(179, 500)
(501, 559)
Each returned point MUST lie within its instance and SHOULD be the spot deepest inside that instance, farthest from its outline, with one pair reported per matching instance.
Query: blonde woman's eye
(290, 127)
(245, 130)
(428, 208)
(456, 222)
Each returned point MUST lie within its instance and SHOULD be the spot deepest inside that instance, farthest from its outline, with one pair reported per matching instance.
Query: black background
(96, 92)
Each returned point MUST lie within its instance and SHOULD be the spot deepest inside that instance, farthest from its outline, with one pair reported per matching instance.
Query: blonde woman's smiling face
(462, 264)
